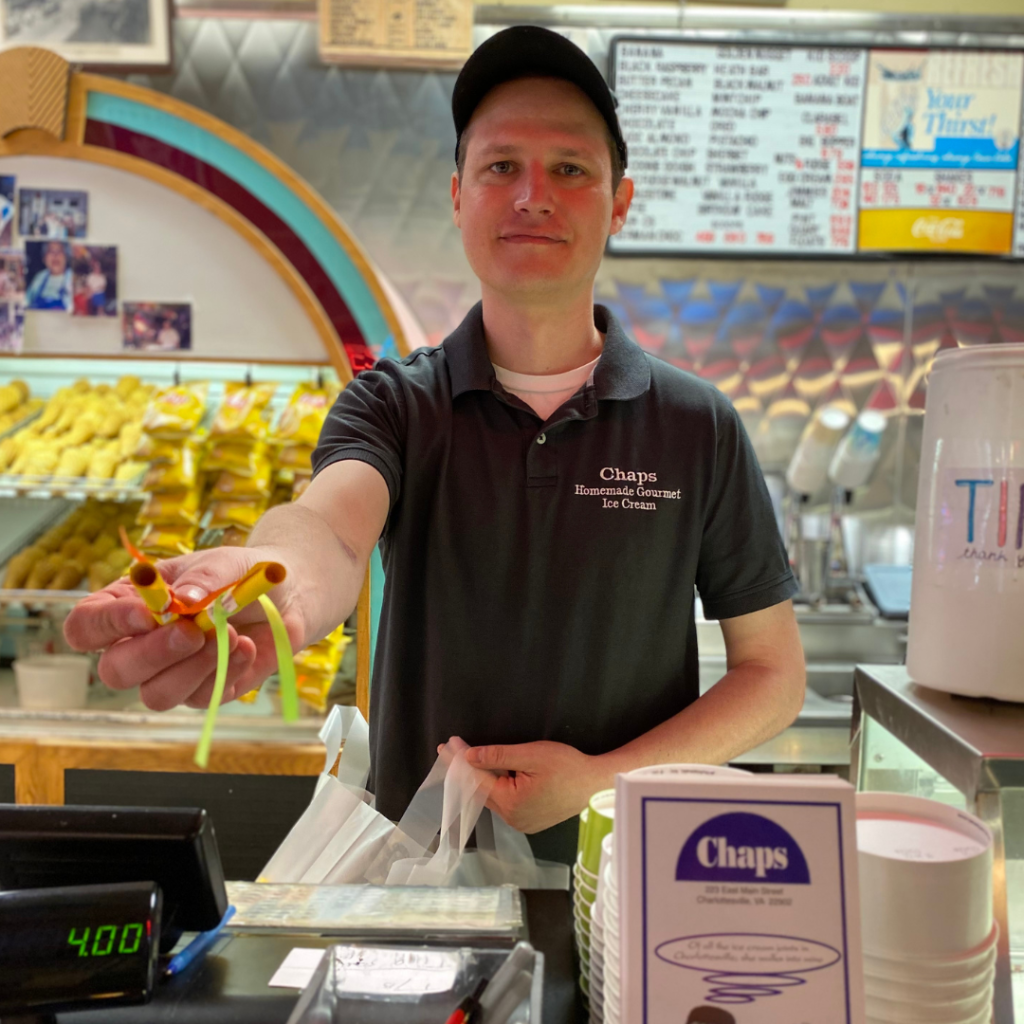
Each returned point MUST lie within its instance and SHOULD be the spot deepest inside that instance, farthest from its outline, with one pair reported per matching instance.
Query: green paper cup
(584, 817)
(600, 822)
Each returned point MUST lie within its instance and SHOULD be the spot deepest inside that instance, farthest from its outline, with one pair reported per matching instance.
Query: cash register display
(66, 948)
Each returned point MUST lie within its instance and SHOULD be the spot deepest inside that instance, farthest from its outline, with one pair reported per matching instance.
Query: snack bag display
(167, 541)
(234, 457)
(171, 508)
(176, 411)
(240, 514)
(176, 473)
(317, 665)
(242, 413)
(303, 417)
(233, 487)
(296, 457)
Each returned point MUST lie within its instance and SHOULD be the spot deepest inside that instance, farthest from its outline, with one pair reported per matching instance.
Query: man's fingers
(497, 758)
(175, 685)
(238, 664)
(137, 661)
(103, 618)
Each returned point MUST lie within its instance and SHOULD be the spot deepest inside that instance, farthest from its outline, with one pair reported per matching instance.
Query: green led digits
(131, 936)
(105, 939)
(102, 945)
(81, 943)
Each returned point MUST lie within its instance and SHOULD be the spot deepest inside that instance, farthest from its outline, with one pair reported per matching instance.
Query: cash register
(90, 896)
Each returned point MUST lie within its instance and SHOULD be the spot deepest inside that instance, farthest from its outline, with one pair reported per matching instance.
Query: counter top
(109, 713)
(231, 983)
(974, 742)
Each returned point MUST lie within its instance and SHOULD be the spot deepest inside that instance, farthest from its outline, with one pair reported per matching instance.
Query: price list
(740, 149)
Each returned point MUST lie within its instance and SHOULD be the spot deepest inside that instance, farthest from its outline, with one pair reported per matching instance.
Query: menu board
(397, 33)
(747, 149)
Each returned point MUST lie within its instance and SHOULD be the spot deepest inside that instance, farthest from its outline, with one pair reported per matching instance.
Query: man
(546, 495)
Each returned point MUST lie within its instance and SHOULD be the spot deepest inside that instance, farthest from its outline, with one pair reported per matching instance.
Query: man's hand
(175, 664)
(552, 782)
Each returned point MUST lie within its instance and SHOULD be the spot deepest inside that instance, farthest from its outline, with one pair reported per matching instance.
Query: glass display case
(962, 751)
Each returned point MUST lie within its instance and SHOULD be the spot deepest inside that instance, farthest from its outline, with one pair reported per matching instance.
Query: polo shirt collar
(622, 373)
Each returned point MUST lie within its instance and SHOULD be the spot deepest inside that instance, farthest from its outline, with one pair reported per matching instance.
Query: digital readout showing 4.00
(108, 939)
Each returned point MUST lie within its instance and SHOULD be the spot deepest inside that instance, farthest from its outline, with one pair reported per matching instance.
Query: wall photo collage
(57, 269)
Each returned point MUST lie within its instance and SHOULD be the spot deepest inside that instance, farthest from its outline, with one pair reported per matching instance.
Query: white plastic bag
(341, 839)
(334, 801)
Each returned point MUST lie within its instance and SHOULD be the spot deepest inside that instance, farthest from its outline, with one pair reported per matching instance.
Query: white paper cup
(933, 1012)
(929, 991)
(928, 970)
(52, 682)
(925, 877)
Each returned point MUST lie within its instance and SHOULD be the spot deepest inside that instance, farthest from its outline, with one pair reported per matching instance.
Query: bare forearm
(324, 576)
(748, 706)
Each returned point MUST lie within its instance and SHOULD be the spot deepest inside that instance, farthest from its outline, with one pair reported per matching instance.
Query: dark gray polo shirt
(540, 576)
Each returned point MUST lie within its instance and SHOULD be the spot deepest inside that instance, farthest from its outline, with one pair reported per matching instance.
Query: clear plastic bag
(341, 839)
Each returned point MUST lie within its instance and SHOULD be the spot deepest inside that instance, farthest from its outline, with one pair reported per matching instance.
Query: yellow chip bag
(301, 483)
(176, 411)
(243, 514)
(241, 413)
(236, 457)
(167, 541)
(232, 486)
(171, 508)
(174, 475)
(313, 687)
(295, 456)
(304, 415)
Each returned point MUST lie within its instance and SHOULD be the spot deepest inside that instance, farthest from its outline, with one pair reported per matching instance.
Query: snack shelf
(15, 427)
(73, 488)
(41, 598)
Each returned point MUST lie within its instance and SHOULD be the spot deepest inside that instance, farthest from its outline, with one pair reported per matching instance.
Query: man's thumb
(202, 574)
(491, 758)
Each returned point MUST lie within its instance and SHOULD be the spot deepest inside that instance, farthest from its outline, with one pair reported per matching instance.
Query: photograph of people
(7, 187)
(157, 326)
(49, 274)
(549, 496)
(52, 213)
(95, 280)
(12, 277)
(12, 327)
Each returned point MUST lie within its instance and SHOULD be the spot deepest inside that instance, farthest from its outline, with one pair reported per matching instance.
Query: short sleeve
(743, 566)
(367, 423)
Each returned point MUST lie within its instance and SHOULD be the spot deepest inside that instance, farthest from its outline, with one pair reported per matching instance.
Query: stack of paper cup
(926, 911)
(604, 977)
(595, 823)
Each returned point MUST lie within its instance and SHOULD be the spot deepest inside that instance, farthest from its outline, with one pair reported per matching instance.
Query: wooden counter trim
(39, 765)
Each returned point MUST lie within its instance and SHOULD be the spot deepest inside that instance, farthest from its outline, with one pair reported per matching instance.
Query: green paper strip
(285, 661)
(220, 625)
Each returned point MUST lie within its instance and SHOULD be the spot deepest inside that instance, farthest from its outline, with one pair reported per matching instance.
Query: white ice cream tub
(967, 603)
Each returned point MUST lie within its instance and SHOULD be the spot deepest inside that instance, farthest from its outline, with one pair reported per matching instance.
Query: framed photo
(52, 213)
(7, 184)
(12, 327)
(156, 326)
(48, 272)
(112, 34)
(94, 280)
(12, 277)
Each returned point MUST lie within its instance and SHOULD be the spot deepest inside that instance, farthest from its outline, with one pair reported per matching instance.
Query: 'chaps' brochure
(738, 897)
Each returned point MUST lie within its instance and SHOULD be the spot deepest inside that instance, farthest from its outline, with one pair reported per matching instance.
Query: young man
(546, 494)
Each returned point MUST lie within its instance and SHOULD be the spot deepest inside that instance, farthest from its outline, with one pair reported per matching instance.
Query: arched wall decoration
(209, 162)
(48, 110)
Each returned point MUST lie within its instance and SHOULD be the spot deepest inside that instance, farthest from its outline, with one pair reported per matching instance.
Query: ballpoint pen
(198, 946)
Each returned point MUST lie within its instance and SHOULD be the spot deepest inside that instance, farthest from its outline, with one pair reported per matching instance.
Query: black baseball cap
(530, 51)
